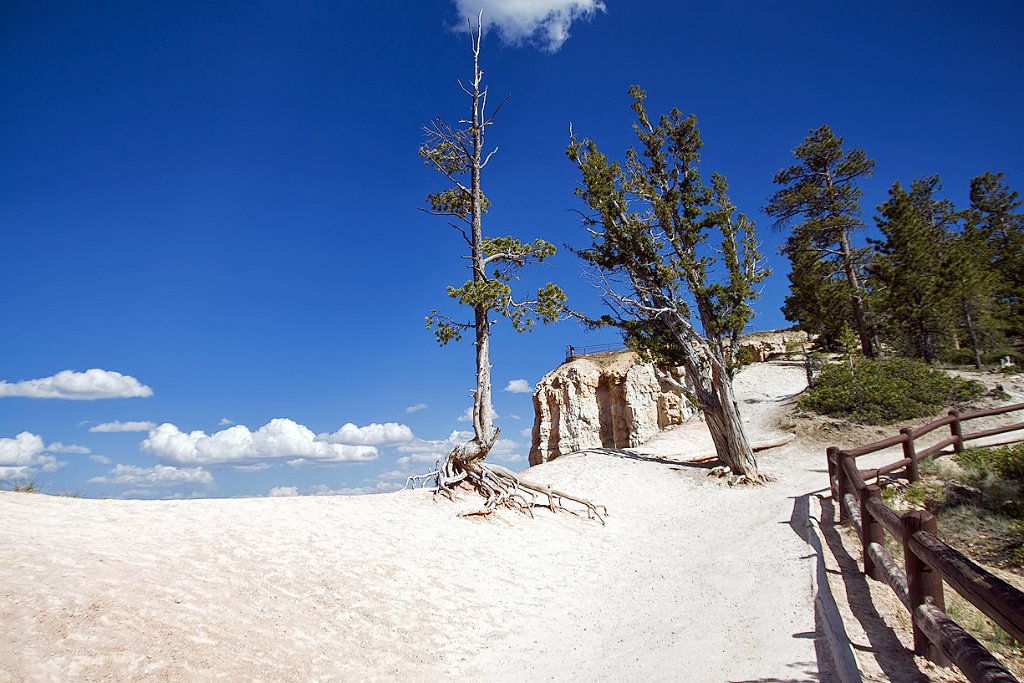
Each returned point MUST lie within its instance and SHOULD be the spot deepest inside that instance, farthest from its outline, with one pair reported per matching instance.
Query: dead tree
(457, 153)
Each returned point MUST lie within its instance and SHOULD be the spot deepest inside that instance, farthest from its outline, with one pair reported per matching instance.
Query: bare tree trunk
(856, 295)
(712, 390)
(483, 421)
(723, 420)
(973, 333)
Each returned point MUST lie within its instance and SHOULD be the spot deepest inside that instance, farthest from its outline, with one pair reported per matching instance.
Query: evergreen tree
(994, 213)
(909, 272)
(821, 193)
(818, 299)
(973, 284)
(458, 154)
(651, 217)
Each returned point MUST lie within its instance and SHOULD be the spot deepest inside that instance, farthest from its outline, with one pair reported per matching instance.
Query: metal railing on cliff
(593, 349)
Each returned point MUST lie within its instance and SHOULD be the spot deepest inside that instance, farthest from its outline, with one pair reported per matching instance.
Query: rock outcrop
(765, 346)
(605, 400)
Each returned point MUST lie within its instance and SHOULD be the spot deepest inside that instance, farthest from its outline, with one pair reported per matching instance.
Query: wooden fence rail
(927, 560)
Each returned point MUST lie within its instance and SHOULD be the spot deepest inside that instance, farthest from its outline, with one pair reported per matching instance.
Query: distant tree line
(942, 282)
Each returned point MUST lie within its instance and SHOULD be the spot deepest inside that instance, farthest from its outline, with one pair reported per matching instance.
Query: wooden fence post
(833, 483)
(924, 584)
(842, 485)
(957, 430)
(910, 452)
(873, 531)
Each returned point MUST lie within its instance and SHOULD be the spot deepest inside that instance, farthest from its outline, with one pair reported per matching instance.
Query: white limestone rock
(603, 400)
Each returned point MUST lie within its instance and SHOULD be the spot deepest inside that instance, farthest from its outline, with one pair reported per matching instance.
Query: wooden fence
(928, 560)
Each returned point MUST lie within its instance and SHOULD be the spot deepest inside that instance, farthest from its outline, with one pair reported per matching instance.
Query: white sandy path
(690, 580)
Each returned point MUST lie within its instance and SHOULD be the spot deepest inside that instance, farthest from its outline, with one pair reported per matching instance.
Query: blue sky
(214, 205)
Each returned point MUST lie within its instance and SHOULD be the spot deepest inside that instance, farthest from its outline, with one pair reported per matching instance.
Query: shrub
(1006, 462)
(884, 391)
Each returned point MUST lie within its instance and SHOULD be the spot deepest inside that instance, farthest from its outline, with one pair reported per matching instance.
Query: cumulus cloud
(379, 487)
(78, 386)
(416, 407)
(467, 415)
(507, 451)
(518, 386)
(544, 22)
(430, 450)
(254, 467)
(58, 447)
(117, 426)
(526, 433)
(373, 434)
(283, 492)
(158, 475)
(225, 422)
(278, 439)
(101, 459)
(22, 455)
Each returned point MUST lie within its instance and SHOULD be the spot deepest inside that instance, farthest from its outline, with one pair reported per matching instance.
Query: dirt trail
(690, 580)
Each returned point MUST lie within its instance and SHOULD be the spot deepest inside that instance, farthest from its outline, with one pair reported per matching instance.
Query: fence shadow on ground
(893, 658)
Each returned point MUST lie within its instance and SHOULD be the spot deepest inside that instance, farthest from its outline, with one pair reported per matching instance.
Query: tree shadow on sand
(701, 464)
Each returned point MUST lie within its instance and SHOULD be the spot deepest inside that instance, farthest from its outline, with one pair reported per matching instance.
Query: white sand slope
(690, 580)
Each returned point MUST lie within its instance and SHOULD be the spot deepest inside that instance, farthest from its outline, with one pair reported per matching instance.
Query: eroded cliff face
(606, 400)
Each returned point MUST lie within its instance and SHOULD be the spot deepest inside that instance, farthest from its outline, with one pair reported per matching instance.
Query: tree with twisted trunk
(458, 154)
(678, 301)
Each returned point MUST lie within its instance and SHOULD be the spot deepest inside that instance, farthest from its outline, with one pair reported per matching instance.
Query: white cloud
(518, 386)
(467, 415)
(373, 434)
(158, 475)
(101, 459)
(283, 491)
(544, 22)
(429, 450)
(59, 447)
(21, 455)
(117, 426)
(416, 407)
(278, 439)
(78, 386)
(224, 422)
(379, 487)
(507, 451)
(526, 433)
(255, 467)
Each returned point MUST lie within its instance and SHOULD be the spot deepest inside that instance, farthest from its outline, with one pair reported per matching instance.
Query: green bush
(885, 391)
(1006, 462)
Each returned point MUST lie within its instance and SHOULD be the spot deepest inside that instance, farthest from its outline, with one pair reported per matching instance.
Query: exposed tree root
(724, 472)
(500, 486)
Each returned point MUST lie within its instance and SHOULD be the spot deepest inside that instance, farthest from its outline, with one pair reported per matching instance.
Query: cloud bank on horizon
(543, 22)
(278, 439)
(69, 385)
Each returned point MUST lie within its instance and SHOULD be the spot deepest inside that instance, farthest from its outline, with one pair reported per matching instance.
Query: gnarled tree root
(501, 487)
(724, 472)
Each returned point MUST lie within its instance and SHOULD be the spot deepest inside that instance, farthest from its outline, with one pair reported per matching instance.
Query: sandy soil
(690, 579)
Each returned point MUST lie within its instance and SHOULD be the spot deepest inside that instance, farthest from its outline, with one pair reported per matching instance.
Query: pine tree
(994, 213)
(651, 217)
(973, 286)
(818, 299)
(821, 192)
(909, 271)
